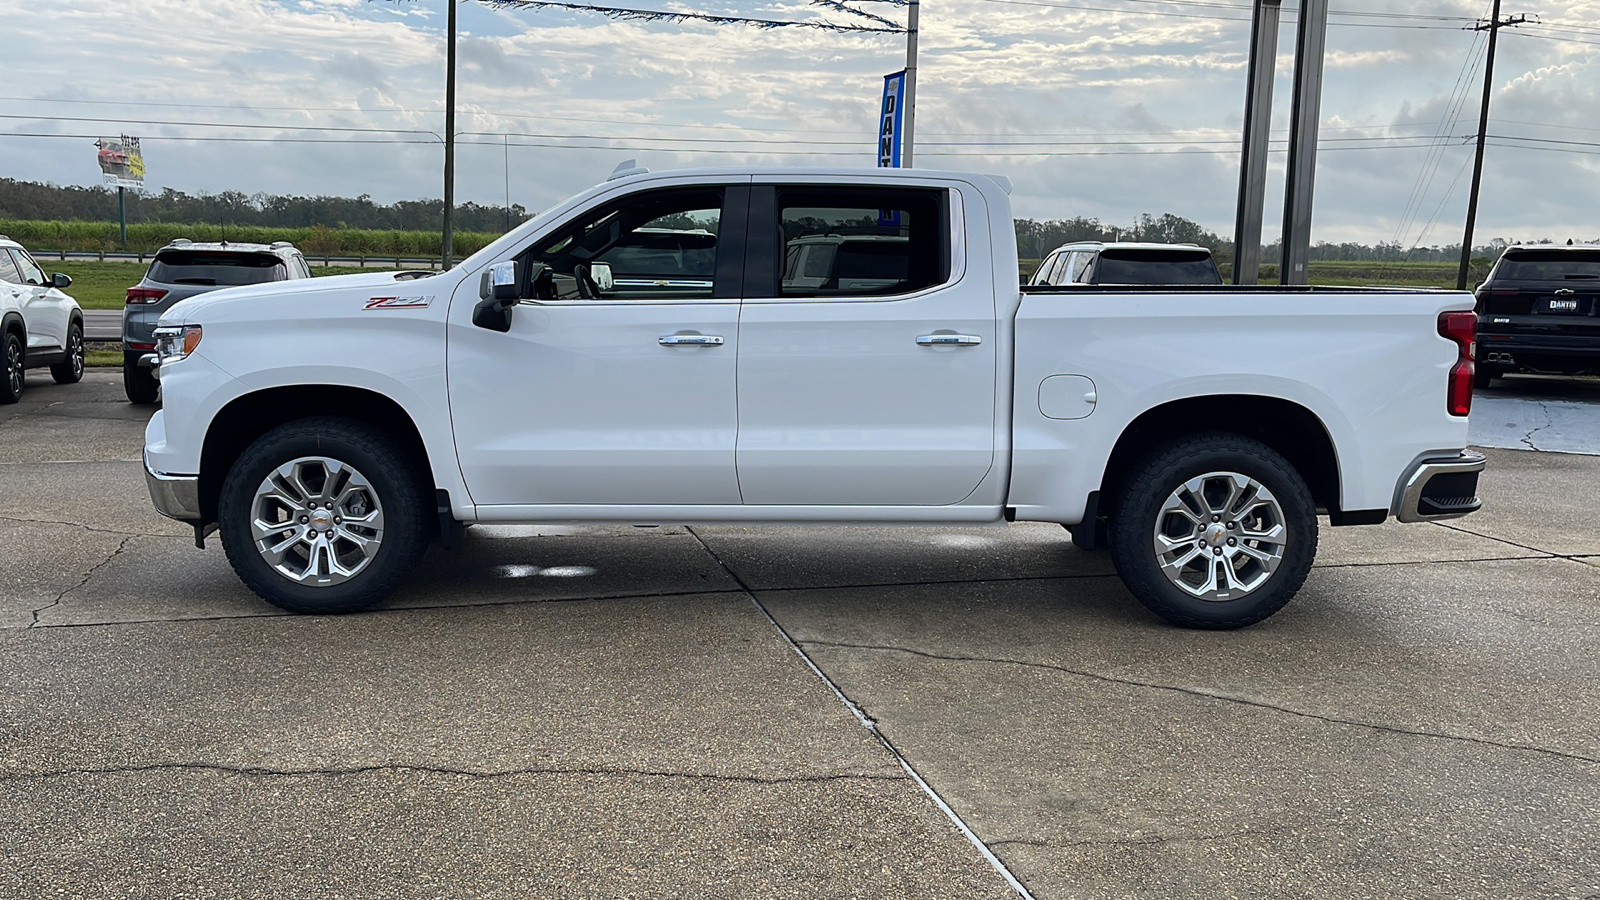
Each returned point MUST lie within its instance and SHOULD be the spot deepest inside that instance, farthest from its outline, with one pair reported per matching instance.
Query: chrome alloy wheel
(1220, 536)
(14, 365)
(75, 352)
(316, 521)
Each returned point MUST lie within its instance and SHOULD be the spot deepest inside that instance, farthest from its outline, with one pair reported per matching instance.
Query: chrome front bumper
(1442, 489)
(174, 496)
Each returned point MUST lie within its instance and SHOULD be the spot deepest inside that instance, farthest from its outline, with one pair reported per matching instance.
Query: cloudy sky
(1100, 108)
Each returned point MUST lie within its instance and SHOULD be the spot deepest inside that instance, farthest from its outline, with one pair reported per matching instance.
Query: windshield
(218, 268)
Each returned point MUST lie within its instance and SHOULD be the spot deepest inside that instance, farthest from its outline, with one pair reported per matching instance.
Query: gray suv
(182, 269)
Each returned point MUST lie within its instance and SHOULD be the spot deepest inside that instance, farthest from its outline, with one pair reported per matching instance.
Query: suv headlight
(174, 342)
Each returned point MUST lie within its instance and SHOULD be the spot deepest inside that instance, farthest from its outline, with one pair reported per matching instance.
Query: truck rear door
(869, 381)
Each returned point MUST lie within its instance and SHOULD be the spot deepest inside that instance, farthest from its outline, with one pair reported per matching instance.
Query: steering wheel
(587, 289)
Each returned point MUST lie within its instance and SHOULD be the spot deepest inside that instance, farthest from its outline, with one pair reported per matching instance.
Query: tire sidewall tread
(394, 476)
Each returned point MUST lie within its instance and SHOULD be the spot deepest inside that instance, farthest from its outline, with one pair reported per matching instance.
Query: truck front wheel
(1214, 531)
(323, 515)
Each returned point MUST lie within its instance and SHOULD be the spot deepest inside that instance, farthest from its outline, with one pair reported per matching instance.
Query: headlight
(174, 342)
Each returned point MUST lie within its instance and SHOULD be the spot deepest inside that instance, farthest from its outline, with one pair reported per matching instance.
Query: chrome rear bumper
(1442, 489)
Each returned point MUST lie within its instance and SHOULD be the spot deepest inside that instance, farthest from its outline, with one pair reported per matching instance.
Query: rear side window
(866, 241)
(1156, 267)
(216, 268)
(1561, 265)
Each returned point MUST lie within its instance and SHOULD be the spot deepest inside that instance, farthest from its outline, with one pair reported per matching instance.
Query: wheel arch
(1287, 427)
(12, 321)
(248, 417)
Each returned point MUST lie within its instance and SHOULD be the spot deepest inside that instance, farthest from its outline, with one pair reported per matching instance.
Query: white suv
(39, 325)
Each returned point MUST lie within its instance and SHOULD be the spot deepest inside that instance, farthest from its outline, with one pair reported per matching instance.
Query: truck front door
(610, 390)
(873, 384)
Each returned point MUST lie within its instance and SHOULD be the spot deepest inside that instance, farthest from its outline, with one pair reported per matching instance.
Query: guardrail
(363, 262)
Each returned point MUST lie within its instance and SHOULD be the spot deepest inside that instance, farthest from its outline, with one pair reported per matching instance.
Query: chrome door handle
(702, 340)
(965, 340)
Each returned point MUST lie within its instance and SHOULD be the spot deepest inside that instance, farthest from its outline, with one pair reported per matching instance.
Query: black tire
(137, 382)
(70, 370)
(387, 471)
(11, 363)
(1224, 550)
(1483, 376)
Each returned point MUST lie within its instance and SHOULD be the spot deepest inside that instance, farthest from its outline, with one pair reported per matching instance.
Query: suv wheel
(137, 382)
(1214, 531)
(11, 362)
(323, 515)
(70, 370)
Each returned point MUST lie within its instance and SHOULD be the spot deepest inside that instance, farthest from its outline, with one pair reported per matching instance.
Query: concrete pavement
(610, 711)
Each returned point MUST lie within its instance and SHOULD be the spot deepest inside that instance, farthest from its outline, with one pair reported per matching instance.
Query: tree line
(26, 200)
(29, 200)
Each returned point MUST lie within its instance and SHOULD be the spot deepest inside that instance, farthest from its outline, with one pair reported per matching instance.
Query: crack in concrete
(265, 772)
(872, 728)
(1147, 842)
(1209, 695)
(1549, 554)
(1549, 420)
(123, 545)
(21, 521)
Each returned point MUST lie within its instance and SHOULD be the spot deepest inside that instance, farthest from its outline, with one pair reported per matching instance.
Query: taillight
(138, 296)
(1461, 327)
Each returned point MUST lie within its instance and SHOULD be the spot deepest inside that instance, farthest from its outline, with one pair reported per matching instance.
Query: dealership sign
(121, 163)
(889, 119)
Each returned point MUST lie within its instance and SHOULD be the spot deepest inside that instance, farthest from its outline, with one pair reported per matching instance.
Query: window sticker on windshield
(399, 302)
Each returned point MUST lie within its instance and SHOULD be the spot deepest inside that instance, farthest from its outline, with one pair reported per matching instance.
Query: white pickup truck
(590, 367)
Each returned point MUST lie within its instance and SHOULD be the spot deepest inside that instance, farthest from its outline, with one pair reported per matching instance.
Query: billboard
(121, 163)
(889, 119)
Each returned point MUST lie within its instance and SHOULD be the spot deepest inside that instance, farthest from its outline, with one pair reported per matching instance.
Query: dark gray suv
(182, 269)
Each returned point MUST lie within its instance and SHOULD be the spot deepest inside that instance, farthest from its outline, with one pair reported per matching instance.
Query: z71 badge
(399, 302)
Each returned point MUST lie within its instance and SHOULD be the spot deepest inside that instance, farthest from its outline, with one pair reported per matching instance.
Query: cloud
(1108, 114)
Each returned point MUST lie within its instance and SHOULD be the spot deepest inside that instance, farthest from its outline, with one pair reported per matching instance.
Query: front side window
(8, 268)
(1044, 274)
(660, 245)
(30, 271)
(856, 242)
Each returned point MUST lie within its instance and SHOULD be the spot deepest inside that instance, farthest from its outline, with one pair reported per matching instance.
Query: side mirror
(603, 279)
(501, 294)
(61, 281)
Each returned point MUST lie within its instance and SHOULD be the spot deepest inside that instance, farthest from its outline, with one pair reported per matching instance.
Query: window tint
(1156, 267)
(858, 242)
(1560, 265)
(658, 246)
(8, 267)
(216, 268)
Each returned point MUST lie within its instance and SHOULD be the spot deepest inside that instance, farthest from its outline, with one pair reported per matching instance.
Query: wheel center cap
(1216, 535)
(321, 519)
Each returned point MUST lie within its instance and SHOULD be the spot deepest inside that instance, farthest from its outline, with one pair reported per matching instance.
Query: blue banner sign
(894, 96)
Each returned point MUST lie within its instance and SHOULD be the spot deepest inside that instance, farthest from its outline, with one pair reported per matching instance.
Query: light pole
(1257, 135)
(911, 83)
(449, 138)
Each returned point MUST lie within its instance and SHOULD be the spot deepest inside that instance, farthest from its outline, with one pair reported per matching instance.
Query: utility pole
(449, 138)
(910, 111)
(1492, 26)
(1257, 132)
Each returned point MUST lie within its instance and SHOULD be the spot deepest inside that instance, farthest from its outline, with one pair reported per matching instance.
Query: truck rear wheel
(1214, 531)
(323, 515)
